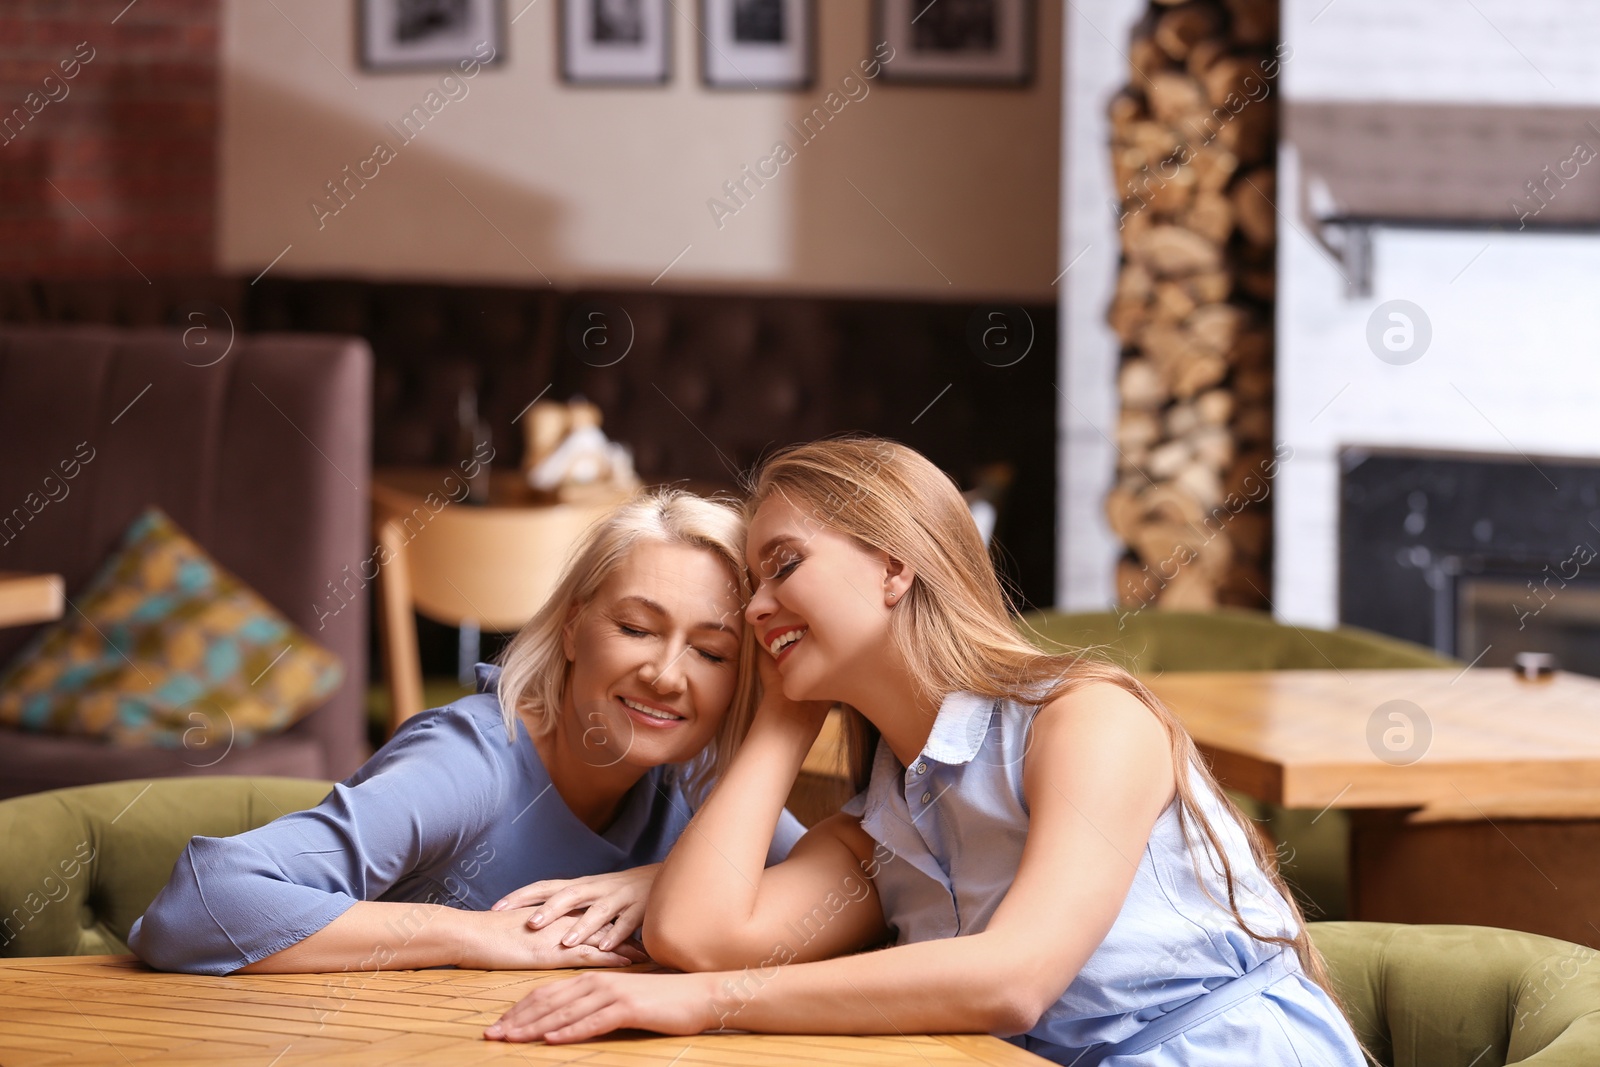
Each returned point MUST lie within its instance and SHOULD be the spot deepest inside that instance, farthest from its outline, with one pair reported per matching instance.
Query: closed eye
(633, 631)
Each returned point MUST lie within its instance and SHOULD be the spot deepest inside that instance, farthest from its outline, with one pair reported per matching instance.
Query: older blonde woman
(520, 827)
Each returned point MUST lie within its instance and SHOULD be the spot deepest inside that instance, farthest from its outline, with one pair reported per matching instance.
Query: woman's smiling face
(820, 601)
(655, 657)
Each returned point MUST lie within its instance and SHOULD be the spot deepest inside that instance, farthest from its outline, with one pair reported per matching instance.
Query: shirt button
(922, 768)
(927, 797)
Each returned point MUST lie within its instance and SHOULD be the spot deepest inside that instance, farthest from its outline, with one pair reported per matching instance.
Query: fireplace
(1479, 556)
(1430, 171)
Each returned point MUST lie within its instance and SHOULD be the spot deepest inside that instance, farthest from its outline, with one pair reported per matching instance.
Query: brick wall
(1444, 51)
(108, 130)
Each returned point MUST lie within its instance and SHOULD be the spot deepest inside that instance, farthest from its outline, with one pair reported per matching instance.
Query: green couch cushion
(83, 863)
(1449, 996)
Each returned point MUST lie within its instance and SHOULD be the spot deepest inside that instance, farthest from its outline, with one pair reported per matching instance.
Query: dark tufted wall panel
(708, 382)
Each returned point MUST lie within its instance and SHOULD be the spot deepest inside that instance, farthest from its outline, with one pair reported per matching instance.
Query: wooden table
(114, 1010)
(1480, 803)
(30, 598)
(1307, 739)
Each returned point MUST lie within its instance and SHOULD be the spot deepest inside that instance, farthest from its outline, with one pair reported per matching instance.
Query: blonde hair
(954, 630)
(534, 670)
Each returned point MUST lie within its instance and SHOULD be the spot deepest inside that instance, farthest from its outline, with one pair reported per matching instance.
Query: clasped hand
(598, 913)
(506, 940)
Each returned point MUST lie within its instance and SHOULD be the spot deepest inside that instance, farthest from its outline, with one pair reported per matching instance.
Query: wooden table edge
(990, 1049)
(982, 1048)
(1521, 781)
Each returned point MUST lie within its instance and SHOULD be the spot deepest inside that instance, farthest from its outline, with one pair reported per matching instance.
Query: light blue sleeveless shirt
(956, 822)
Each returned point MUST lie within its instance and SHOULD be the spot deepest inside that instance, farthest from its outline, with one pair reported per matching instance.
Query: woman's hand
(503, 940)
(804, 715)
(589, 1005)
(613, 905)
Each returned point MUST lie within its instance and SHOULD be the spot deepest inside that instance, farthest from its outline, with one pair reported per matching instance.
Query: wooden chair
(491, 567)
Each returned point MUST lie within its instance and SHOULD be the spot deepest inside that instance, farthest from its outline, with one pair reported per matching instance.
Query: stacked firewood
(1194, 140)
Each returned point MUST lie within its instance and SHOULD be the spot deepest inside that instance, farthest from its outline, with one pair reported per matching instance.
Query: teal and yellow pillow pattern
(166, 648)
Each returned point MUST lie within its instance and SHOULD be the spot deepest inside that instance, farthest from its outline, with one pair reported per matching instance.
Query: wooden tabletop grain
(1452, 741)
(114, 1010)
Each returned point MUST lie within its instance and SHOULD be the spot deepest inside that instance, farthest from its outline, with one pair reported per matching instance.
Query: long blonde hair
(534, 670)
(953, 627)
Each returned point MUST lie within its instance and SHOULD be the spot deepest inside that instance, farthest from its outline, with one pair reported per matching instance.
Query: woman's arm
(966, 984)
(234, 901)
(1097, 777)
(716, 904)
(379, 935)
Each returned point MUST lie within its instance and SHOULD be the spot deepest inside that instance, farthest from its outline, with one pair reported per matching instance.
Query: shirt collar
(960, 728)
(487, 676)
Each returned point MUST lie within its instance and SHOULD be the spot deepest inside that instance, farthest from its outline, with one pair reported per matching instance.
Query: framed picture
(411, 34)
(757, 44)
(615, 42)
(957, 42)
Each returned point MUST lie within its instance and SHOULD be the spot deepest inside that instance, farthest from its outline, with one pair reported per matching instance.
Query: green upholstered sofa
(1465, 996)
(1227, 639)
(83, 863)
(1313, 846)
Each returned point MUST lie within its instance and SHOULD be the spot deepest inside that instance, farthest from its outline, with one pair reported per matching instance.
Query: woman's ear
(569, 642)
(897, 576)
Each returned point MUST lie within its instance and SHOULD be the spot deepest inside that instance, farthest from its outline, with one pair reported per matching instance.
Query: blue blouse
(956, 822)
(448, 812)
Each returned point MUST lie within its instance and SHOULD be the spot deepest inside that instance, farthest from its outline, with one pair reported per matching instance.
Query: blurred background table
(114, 1010)
(1474, 795)
(1312, 739)
(486, 567)
(30, 598)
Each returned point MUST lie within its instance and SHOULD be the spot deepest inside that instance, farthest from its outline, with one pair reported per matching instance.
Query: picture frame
(615, 42)
(758, 44)
(408, 35)
(958, 42)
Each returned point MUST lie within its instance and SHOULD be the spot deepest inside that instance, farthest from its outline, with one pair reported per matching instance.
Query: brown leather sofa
(260, 451)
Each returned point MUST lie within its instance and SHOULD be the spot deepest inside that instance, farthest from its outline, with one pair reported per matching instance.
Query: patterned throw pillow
(166, 648)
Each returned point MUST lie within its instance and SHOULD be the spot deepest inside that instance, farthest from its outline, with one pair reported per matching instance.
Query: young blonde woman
(521, 827)
(1038, 839)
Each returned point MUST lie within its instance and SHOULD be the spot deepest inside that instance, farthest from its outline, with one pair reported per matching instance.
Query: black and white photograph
(974, 42)
(757, 44)
(956, 26)
(411, 34)
(617, 21)
(615, 42)
(758, 21)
